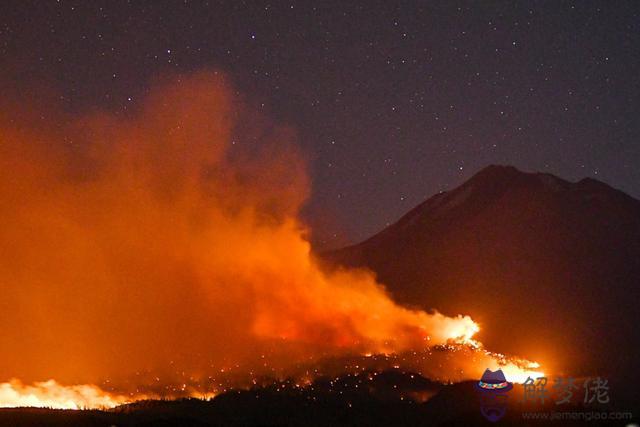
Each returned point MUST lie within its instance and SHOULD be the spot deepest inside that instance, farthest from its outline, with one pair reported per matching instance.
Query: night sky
(392, 102)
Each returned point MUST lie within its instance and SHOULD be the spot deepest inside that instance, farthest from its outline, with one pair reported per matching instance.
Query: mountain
(549, 268)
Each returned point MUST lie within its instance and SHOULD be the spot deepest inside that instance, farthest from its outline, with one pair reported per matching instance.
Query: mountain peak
(496, 175)
(503, 176)
(495, 169)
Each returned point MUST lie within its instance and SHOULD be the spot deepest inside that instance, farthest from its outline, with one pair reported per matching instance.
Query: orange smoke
(170, 240)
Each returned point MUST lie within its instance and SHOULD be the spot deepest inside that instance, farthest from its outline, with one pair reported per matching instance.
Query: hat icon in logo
(493, 390)
(494, 381)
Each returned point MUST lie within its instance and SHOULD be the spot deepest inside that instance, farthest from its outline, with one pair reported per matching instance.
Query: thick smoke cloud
(170, 238)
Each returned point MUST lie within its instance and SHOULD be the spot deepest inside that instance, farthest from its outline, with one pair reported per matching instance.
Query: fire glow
(50, 394)
(170, 239)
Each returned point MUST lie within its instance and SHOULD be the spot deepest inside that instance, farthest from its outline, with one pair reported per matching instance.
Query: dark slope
(452, 405)
(551, 269)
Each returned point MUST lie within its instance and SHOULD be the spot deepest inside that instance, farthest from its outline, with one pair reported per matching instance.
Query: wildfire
(173, 236)
(50, 394)
(519, 373)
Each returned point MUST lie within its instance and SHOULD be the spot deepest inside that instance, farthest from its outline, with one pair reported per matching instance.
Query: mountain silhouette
(549, 268)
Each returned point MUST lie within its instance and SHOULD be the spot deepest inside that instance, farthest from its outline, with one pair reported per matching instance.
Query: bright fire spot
(460, 329)
(50, 394)
(519, 374)
(515, 369)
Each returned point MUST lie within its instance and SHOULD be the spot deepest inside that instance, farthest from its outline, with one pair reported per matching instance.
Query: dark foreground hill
(550, 268)
(327, 403)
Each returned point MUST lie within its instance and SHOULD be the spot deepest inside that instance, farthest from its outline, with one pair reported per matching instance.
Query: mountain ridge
(499, 172)
(540, 261)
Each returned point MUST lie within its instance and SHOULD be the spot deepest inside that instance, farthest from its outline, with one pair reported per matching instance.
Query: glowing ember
(442, 363)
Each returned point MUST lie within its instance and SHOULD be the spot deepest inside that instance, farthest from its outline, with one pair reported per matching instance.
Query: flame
(515, 369)
(519, 374)
(50, 394)
(170, 240)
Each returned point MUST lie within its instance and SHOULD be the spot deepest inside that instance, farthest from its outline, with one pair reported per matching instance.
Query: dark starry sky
(393, 102)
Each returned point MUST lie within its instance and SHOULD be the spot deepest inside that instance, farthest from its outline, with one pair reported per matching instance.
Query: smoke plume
(170, 237)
